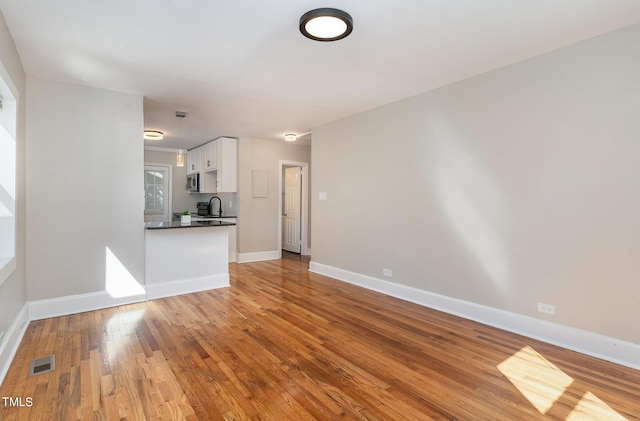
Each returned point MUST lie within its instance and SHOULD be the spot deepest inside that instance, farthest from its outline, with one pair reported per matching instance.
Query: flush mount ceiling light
(326, 24)
(290, 137)
(153, 135)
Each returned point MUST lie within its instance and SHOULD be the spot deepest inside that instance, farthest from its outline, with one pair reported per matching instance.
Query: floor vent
(42, 365)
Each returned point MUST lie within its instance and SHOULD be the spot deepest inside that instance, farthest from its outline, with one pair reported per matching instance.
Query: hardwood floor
(285, 344)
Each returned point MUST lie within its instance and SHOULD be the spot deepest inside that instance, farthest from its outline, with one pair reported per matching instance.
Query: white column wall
(85, 154)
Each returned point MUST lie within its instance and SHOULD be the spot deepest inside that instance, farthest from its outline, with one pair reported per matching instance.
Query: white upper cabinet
(227, 152)
(194, 160)
(211, 156)
(220, 166)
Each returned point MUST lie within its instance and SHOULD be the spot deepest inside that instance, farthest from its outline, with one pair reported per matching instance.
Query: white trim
(304, 212)
(585, 342)
(186, 286)
(168, 212)
(80, 303)
(11, 340)
(258, 256)
(160, 149)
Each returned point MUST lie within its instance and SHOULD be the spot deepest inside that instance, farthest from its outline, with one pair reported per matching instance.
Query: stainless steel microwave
(193, 182)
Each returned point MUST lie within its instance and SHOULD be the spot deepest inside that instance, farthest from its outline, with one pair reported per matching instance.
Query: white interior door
(292, 209)
(157, 193)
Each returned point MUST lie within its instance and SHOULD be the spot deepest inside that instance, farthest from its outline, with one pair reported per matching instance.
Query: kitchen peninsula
(180, 259)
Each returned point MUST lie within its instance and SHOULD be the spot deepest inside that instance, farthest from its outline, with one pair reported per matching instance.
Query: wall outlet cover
(546, 308)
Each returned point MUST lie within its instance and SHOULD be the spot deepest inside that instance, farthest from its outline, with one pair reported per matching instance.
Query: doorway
(292, 210)
(293, 215)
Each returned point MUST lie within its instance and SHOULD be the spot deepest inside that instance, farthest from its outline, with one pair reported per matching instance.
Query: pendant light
(181, 152)
(180, 158)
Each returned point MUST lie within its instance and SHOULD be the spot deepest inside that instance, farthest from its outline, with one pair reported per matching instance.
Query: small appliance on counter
(203, 208)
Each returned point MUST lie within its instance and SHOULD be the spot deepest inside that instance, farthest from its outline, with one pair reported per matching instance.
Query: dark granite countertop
(194, 224)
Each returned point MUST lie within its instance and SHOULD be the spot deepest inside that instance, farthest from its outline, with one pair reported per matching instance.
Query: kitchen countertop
(194, 224)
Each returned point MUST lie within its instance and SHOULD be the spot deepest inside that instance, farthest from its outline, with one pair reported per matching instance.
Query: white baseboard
(585, 342)
(186, 286)
(80, 303)
(258, 256)
(11, 340)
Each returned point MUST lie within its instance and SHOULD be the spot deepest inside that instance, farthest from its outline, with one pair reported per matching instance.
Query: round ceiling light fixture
(326, 24)
(153, 135)
(290, 137)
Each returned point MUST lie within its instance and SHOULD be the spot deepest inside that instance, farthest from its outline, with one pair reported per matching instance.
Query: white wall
(13, 290)
(85, 154)
(511, 188)
(258, 217)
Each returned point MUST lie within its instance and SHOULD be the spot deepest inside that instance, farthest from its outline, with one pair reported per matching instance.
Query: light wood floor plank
(285, 344)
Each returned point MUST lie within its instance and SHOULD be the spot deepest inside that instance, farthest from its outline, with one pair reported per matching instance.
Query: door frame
(304, 216)
(169, 168)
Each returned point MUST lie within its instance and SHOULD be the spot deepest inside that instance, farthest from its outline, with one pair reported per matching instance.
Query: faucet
(220, 208)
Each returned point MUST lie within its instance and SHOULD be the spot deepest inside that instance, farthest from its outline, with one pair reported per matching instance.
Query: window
(157, 192)
(8, 122)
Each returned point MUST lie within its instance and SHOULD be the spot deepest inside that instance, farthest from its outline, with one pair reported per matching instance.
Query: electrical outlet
(546, 308)
(322, 195)
(387, 272)
(230, 203)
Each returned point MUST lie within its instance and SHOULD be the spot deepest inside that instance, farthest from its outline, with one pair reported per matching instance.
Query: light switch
(322, 195)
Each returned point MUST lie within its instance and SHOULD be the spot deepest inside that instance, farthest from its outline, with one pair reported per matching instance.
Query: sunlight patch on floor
(119, 327)
(543, 384)
(592, 408)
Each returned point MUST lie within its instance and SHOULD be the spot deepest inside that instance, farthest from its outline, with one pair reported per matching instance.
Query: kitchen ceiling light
(290, 137)
(153, 135)
(180, 156)
(326, 24)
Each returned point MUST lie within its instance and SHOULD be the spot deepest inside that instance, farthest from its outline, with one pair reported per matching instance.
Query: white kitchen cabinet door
(223, 178)
(211, 156)
(194, 160)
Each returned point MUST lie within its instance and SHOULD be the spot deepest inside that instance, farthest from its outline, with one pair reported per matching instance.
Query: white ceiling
(241, 68)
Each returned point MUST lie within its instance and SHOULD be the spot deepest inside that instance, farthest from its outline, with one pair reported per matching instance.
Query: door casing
(304, 219)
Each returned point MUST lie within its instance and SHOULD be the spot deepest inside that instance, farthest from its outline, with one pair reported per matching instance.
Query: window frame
(168, 198)
(9, 100)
